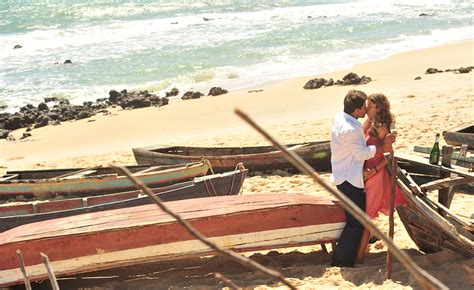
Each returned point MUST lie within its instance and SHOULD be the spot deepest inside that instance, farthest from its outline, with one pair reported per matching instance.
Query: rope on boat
(210, 188)
(241, 168)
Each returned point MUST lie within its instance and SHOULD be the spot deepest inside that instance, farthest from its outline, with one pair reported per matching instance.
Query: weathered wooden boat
(98, 180)
(102, 240)
(255, 158)
(228, 183)
(462, 134)
(431, 224)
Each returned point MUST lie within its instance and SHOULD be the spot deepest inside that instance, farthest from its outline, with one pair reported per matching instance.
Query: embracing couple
(358, 167)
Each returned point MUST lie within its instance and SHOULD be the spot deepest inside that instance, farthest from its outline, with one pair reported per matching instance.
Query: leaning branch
(228, 253)
(425, 280)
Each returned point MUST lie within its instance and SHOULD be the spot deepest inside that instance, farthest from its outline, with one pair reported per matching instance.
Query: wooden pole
(391, 227)
(423, 278)
(23, 270)
(52, 277)
(227, 253)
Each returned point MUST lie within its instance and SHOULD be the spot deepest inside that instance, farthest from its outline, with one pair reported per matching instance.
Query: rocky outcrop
(191, 95)
(216, 91)
(349, 79)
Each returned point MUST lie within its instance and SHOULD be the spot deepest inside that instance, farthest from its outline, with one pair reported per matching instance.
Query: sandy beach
(292, 114)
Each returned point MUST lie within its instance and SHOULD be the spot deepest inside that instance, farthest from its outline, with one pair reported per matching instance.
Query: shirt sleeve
(356, 141)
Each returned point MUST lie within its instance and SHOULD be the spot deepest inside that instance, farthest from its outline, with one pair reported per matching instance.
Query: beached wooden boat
(431, 224)
(102, 240)
(462, 134)
(93, 181)
(228, 183)
(255, 158)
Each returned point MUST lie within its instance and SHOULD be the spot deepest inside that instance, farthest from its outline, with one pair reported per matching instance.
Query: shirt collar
(351, 119)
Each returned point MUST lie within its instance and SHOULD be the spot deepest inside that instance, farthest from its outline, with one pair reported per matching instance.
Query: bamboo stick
(227, 253)
(23, 270)
(52, 277)
(423, 278)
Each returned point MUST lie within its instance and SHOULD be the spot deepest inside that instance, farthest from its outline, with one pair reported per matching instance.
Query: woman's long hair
(384, 116)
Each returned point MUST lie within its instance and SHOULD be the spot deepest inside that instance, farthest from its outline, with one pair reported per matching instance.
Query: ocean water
(158, 45)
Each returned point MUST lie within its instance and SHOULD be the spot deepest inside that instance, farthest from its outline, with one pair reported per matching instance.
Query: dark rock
(423, 14)
(155, 100)
(51, 99)
(28, 128)
(43, 107)
(164, 101)
(17, 46)
(42, 121)
(87, 104)
(67, 61)
(216, 91)
(465, 70)
(55, 122)
(432, 71)
(64, 102)
(53, 116)
(191, 95)
(328, 82)
(314, 84)
(13, 122)
(83, 114)
(417, 78)
(351, 79)
(174, 92)
(114, 96)
(135, 103)
(3, 107)
(102, 100)
(4, 133)
(25, 135)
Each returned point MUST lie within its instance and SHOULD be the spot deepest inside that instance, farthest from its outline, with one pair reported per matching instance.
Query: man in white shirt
(348, 153)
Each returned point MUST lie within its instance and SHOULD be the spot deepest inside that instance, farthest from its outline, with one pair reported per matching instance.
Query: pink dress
(377, 187)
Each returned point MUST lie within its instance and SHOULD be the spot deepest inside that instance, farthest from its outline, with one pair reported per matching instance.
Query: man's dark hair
(354, 100)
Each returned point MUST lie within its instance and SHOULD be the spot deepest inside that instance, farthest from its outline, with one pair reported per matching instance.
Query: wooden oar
(423, 278)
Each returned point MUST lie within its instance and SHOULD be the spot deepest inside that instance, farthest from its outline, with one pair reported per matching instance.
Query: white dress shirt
(348, 150)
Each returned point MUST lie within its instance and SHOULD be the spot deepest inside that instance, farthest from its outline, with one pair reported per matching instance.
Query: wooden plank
(445, 195)
(424, 162)
(77, 172)
(446, 182)
(8, 176)
(455, 156)
(17, 209)
(59, 205)
(95, 200)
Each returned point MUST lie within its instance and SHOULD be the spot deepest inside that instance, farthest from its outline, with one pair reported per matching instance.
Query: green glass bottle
(435, 153)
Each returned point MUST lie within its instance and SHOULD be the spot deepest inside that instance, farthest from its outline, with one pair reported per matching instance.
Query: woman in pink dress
(376, 175)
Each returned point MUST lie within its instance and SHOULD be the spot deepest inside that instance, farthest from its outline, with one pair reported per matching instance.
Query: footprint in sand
(16, 158)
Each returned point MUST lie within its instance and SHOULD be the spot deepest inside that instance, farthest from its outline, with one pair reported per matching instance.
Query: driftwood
(52, 276)
(227, 253)
(425, 280)
(391, 228)
(23, 270)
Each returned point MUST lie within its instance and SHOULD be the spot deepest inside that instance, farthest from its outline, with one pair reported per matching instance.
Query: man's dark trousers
(348, 244)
